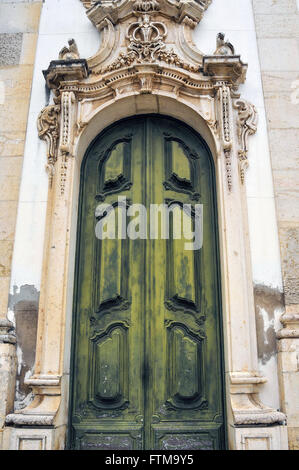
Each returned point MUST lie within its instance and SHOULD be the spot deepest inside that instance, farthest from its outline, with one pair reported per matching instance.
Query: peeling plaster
(269, 305)
(23, 309)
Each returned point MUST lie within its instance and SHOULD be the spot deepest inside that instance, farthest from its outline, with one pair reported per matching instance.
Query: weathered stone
(14, 115)
(8, 212)
(287, 205)
(277, 82)
(273, 26)
(23, 17)
(291, 286)
(28, 48)
(6, 249)
(289, 237)
(10, 49)
(283, 146)
(10, 173)
(278, 54)
(293, 433)
(272, 7)
(4, 288)
(7, 378)
(281, 112)
(11, 143)
(286, 179)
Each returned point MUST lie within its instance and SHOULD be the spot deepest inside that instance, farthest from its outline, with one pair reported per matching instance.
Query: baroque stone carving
(188, 12)
(88, 3)
(48, 130)
(146, 43)
(146, 5)
(71, 52)
(247, 125)
(146, 38)
(223, 47)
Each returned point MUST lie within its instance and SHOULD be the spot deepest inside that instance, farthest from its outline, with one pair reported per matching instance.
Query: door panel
(147, 370)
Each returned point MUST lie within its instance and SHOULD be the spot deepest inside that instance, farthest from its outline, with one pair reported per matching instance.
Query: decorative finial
(224, 47)
(71, 52)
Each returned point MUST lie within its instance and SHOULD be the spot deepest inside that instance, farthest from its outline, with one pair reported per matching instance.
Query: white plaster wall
(63, 19)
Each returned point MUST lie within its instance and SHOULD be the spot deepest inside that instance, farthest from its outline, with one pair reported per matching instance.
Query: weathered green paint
(147, 350)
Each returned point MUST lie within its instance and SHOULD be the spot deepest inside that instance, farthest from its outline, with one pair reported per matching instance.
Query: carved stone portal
(147, 48)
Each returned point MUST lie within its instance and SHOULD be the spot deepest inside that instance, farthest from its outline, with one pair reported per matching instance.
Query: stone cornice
(120, 10)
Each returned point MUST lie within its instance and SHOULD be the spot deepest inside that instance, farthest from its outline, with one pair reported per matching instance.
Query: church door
(147, 368)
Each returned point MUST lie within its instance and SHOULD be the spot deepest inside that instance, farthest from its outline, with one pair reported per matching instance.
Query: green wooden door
(147, 354)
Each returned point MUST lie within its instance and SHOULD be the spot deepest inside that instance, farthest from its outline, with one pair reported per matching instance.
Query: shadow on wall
(24, 303)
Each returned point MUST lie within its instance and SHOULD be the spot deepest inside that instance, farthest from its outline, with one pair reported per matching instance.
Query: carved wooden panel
(185, 372)
(109, 368)
(115, 167)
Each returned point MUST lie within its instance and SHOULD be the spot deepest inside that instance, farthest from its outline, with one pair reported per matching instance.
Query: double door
(147, 349)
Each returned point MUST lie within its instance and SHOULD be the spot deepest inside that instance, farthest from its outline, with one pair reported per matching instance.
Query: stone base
(293, 434)
(259, 438)
(34, 438)
(28, 439)
(253, 438)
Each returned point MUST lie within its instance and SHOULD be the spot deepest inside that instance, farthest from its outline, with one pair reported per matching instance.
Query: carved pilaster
(68, 116)
(224, 118)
